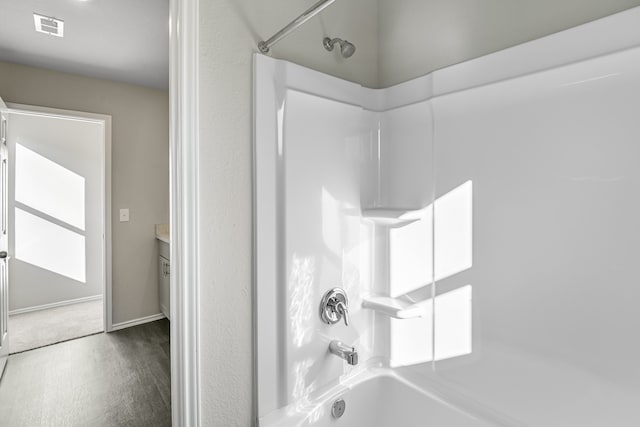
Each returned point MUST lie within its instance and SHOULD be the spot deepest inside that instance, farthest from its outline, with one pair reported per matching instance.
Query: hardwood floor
(116, 379)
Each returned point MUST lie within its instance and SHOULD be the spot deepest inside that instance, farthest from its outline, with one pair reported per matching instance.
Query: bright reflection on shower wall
(411, 340)
(301, 301)
(411, 256)
(49, 215)
(447, 332)
(419, 340)
(453, 233)
(453, 324)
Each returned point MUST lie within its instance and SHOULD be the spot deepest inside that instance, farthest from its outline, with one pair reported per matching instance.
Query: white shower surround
(297, 380)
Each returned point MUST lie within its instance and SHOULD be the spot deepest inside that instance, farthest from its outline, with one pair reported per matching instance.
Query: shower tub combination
(465, 222)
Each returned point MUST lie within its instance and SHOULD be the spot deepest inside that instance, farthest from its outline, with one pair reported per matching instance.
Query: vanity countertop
(162, 233)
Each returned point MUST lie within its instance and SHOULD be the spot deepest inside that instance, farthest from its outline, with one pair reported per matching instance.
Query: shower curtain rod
(265, 45)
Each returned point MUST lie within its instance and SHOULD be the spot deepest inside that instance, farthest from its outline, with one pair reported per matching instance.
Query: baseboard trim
(136, 322)
(54, 305)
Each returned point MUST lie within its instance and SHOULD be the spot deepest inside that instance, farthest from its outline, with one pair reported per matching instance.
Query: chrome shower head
(346, 49)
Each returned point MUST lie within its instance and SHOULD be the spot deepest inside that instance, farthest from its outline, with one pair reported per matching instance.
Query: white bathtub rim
(297, 413)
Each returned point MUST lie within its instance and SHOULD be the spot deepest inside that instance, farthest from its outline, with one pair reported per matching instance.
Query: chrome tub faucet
(344, 352)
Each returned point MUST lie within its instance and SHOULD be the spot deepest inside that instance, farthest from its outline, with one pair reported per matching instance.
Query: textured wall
(140, 168)
(229, 32)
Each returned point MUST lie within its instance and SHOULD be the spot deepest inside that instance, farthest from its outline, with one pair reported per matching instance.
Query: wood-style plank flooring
(116, 379)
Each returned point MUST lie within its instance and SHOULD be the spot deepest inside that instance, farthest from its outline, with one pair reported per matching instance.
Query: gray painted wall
(140, 168)
(420, 36)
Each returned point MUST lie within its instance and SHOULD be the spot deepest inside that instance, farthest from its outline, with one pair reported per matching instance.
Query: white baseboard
(55, 304)
(136, 322)
(164, 311)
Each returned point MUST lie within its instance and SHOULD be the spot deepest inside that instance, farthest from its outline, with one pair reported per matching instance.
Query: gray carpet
(45, 327)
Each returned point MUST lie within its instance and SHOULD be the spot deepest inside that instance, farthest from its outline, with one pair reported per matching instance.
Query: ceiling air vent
(49, 25)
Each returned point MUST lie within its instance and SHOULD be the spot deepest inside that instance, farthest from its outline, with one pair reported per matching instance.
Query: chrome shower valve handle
(334, 307)
(343, 311)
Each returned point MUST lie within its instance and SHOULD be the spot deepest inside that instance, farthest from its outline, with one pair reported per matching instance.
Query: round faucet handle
(333, 307)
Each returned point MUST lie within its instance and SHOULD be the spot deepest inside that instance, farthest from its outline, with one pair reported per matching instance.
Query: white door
(4, 240)
(56, 209)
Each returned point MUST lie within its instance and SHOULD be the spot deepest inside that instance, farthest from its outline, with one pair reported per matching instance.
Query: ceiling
(120, 40)
(128, 40)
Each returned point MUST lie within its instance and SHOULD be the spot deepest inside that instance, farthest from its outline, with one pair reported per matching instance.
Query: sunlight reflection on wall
(48, 246)
(301, 299)
(445, 329)
(453, 233)
(410, 255)
(301, 392)
(50, 188)
(453, 328)
(421, 340)
(49, 215)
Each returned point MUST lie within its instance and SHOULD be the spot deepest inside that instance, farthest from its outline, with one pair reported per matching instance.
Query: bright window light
(49, 246)
(45, 186)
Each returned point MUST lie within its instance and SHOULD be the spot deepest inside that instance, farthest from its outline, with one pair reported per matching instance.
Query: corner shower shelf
(395, 307)
(392, 217)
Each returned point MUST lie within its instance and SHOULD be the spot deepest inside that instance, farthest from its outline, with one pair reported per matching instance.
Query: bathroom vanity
(164, 265)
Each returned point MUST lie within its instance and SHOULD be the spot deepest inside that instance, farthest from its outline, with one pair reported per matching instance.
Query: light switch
(124, 215)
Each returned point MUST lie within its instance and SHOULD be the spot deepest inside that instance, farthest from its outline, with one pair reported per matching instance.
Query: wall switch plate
(124, 215)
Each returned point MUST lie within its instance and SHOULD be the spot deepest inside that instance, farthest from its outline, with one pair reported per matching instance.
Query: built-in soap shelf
(398, 308)
(392, 217)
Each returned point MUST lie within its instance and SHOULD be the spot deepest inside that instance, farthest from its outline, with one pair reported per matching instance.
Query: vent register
(48, 25)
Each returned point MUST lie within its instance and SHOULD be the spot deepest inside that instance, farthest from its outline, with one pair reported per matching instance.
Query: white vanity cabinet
(165, 271)
(164, 275)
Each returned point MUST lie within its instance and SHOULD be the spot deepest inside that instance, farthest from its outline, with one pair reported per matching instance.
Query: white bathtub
(377, 398)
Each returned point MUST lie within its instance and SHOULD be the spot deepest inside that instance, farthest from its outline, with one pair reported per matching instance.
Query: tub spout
(345, 352)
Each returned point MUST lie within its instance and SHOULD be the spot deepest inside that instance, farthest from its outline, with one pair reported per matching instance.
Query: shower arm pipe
(265, 45)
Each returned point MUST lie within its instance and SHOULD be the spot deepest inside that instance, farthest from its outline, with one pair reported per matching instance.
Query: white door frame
(105, 121)
(184, 131)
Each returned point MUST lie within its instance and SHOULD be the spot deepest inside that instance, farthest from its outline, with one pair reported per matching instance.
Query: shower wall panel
(317, 165)
(326, 244)
(406, 141)
(327, 151)
(554, 159)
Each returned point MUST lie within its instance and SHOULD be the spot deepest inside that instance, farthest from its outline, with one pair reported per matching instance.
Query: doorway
(58, 207)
